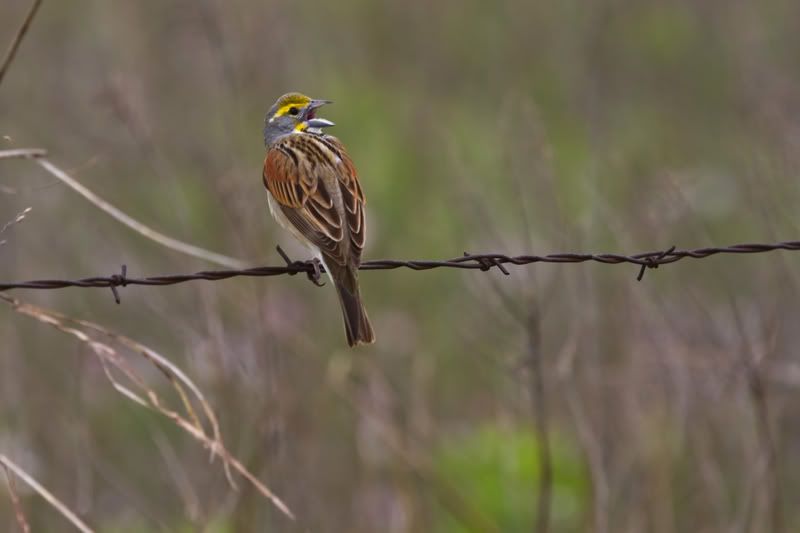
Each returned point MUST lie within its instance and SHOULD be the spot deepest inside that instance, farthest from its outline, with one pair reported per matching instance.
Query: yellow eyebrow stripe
(285, 109)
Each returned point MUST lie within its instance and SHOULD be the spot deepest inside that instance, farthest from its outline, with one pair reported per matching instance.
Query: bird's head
(293, 112)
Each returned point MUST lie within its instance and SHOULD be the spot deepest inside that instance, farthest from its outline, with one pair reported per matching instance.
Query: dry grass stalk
(22, 153)
(14, 46)
(43, 492)
(146, 396)
(119, 215)
(174, 244)
(24, 526)
(16, 220)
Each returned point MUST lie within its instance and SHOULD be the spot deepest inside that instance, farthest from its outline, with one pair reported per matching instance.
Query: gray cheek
(275, 130)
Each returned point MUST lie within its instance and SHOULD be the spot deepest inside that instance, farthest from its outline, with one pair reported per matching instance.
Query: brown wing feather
(295, 171)
(352, 196)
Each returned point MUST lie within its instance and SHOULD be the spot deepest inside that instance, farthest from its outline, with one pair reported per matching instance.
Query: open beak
(312, 120)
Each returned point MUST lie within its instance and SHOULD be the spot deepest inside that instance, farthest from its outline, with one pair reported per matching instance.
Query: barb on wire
(120, 280)
(313, 276)
(482, 262)
(487, 264)
(653, 262)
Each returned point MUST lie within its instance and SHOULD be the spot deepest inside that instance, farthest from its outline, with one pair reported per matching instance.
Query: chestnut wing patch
(291, 174)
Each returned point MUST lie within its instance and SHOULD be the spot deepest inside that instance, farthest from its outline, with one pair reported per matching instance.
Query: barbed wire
(482, 262)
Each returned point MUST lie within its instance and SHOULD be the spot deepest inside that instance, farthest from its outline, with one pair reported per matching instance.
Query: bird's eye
(293, 110)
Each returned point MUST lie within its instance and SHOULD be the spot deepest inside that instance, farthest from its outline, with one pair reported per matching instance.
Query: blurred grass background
(614, 125)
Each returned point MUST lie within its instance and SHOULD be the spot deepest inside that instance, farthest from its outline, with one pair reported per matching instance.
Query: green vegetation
(513, 127)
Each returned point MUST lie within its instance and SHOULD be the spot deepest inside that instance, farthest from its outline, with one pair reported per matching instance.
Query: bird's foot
(314, 273)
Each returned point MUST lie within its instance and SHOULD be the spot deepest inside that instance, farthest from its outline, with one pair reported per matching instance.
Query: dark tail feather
(356, 322)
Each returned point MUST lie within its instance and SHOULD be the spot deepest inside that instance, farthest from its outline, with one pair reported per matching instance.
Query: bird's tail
(356, 322)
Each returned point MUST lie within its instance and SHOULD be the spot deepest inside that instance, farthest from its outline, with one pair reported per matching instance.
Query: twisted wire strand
(483, 262)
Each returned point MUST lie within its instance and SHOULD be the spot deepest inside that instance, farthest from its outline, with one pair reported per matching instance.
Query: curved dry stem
(22, 521)
(46, 494)
(146, 396)
(135, 225)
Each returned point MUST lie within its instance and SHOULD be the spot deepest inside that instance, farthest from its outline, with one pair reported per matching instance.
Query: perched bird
(314, 193)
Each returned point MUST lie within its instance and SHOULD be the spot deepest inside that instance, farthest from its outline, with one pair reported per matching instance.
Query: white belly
(277, 213)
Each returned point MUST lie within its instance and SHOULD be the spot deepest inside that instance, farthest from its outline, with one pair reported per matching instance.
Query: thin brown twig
(46, 494)
(24, 526)
(14, 46)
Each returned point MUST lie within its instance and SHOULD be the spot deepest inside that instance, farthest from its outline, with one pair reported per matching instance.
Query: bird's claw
(315, 275)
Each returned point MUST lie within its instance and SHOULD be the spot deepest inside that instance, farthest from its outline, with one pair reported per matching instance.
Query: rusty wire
(483, 262)
(313, 269)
